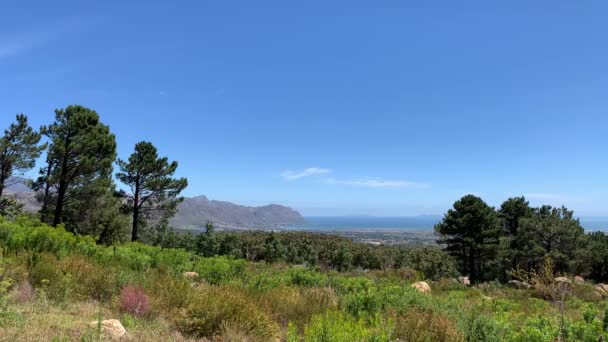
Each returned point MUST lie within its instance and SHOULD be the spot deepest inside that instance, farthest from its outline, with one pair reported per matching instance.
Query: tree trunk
(47, 188)
(135, 211)
(473, 273)
(63, 187)
(2, 180)
(60, 199)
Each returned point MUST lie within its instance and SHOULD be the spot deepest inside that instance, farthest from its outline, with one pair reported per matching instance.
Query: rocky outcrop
(111, 328)
(422, 286)
(563, 280)
(579, 280)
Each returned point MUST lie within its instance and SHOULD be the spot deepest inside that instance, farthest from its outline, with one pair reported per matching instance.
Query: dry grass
(39, 321)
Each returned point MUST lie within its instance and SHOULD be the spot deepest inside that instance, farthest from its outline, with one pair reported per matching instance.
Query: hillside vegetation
(55, 283)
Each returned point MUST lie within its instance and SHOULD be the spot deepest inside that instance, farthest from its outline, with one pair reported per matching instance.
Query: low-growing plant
(133, 300)
(418, 325)
(214, 306)
(298, 305)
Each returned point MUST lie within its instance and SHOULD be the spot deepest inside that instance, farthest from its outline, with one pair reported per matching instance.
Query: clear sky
(333, 107)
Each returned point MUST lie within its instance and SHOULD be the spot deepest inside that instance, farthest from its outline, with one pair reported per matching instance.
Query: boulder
(111, 328)
(190, 275)
(464, 281)
(579, 280)
(563, 280)
(422, 287)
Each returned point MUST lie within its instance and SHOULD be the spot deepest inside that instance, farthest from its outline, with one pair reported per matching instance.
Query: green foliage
(470, 232)
(219, 270)
(553, 233)
(335, 326)
(77, 181)
(10, 207)
(433, 262)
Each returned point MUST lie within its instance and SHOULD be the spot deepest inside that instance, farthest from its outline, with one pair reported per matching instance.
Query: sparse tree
(154, 191)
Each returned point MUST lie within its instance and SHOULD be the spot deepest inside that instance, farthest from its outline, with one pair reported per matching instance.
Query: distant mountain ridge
(195, 212)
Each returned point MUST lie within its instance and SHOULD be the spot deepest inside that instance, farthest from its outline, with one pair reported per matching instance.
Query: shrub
(168, 293)
(92, 280)
(219, 270)
(213, 307)
(24, 292)
(418, 325)
(335, 326)
(48, 277)
(478, 327)
(133, 300)
(288, 304)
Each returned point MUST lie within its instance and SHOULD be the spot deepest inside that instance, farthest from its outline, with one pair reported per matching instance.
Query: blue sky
(333, 107)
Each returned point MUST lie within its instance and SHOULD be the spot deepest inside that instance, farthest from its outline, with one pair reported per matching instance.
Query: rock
(112, 328)
(464, 281)
(422, 287)
(520, 284)
(579, 280)
(596, 296)
(563, 280)
(602, 289)
(190, 275)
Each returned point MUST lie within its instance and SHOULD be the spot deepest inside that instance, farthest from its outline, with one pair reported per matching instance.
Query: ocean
(413, 223)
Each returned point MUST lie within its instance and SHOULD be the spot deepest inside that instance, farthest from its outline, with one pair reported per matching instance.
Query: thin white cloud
(311, 171)
(18, 43)
(377, 183)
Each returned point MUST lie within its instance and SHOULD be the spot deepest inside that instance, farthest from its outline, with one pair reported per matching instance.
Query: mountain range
(195, 212)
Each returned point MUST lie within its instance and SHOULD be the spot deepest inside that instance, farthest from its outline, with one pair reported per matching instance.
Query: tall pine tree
(154, 191)
(78, 176)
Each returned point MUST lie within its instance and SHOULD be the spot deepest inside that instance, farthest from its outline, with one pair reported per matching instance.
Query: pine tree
(470, 232)
(154, 193)
(19, 149)
(77, 181)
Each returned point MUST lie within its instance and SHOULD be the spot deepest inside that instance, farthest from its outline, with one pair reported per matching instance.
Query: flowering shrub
(133, 300)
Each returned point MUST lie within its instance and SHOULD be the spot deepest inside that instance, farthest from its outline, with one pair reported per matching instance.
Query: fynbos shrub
(133, 300)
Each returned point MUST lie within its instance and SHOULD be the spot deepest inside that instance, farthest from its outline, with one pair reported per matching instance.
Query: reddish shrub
(133, 300)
